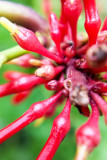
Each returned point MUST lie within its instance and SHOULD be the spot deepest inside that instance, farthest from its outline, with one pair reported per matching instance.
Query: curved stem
(36, 111)
(11, 53)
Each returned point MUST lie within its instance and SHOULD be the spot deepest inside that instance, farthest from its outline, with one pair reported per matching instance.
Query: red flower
(68, 64)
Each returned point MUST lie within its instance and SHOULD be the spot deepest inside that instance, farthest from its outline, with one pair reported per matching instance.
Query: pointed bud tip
(39, 121)
(82, 152)
(35, 62)
(11, 27)
(47, 72)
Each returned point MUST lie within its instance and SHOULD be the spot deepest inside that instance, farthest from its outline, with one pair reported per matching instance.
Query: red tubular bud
(36, 111)
(47, 7)
(46, 62)
(48, 72)
(84, 110)
(100, 87)
(63, 21)
(96, 56)
(54, 85)
(27, 40)
(81, 51)
(62, 5)
(52, 109)
(23, 60)
(104, 27)
(21, 84)
(60, 128)
(72, 10)
(92, 20)
(88, 135)
(69, 52)
(18, 98)
(102, 37)
(99, 70)
(55, 32)
(59, 69)
(101, 104)
(13, 75)
(39, 63)
(61, 79)
(81, 63)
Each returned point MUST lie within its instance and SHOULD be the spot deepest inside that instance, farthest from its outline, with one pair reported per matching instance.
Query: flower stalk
(60, 128)
(11, 53)
(88, 135)
(36, 111)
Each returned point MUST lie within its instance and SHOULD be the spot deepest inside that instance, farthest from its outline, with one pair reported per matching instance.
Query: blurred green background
(27, 144)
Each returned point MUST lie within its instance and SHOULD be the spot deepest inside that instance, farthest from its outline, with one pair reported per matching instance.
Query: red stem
(18, 98)
(59, 69)
(53, 108)
(21, 84)
(100, 87)
(24, 39)
(36, 111)
(60, 128)
(88, 134)
(72, 12)
(12, 75)
(63, 22)
(55, 31)
(101, 104)
(23, 60)
(98, 70)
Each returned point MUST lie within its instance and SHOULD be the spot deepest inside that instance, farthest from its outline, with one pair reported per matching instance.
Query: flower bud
(72, 10)
(13, 75)
(27, 40)
(96, 56)
(23, 60)
(63, 22)
(55, 32)
(88, 135)
(92, 20)
(18, 98)
(54, 85)
(48, 72)
(101, 104)
(60, 128)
